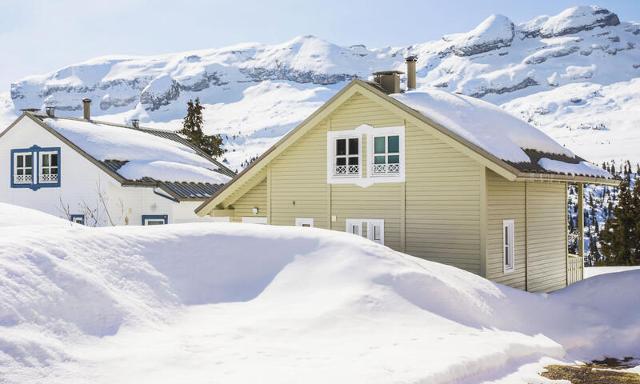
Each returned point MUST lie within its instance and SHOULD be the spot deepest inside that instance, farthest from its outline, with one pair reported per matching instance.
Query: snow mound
(12, 216)
(147, 155)
(496, 31)
(482, 123)
(578, 19)
(232, 303)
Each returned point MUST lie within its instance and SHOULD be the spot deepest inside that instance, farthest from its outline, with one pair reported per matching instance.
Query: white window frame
(254, 219)
(15, 169)
(304, 222)
(371, 225)
(508, 246)
(367, 178)
(42, 178)
(332, 138)
(384, 177)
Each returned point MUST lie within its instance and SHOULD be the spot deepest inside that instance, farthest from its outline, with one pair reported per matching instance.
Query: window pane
(341, 161)
(28, 159)
(353, 147)
(45, 171)
(379, 144)
(379, 160)
(54, 159)
(341, 147)
(506, 255)
(394, 144)
(20, 161)
(45, 160)
(27, 171)
(506, 236)
(54, 171)
(353, 160)
(376, 233)
(394, 159)
(19, 172)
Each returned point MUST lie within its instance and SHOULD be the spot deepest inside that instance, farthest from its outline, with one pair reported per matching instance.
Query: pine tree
(192, 129)
(620, 237)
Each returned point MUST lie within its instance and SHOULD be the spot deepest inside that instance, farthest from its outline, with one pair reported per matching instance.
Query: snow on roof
(147, 155)
(493, 129)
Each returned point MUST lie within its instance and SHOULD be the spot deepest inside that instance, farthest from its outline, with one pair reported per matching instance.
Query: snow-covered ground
(237, 303)
(597, 271)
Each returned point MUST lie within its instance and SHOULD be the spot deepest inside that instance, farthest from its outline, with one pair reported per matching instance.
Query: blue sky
(41, 36)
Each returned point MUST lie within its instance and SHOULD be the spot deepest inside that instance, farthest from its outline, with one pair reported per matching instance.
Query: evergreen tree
(620, 237)
(192, 129)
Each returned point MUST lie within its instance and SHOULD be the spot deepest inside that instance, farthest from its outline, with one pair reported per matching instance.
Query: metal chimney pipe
(411, 72)
(86, 108)
(135, 123)
(51, 111)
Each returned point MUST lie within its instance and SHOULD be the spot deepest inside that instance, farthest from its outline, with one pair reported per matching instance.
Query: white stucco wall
(84, 187)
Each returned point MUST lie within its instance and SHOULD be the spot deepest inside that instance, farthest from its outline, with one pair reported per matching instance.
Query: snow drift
(238, 303)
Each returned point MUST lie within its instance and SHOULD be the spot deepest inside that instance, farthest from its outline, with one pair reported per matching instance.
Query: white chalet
(99, 173)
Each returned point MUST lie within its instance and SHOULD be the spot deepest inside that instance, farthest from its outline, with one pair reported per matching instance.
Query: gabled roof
(455, 131)
(140, 156)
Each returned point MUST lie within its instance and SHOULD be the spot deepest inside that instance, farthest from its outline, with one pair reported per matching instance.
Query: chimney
(411, 72)
(389, 81)
(51, 111)
(86, 108)
(135, 123)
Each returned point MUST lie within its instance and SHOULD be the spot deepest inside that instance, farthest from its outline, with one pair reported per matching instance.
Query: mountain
(574, 75)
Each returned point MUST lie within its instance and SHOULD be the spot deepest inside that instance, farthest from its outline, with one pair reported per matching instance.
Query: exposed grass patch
(605, 371)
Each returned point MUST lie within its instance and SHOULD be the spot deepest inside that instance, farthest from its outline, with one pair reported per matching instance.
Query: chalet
(98, 173)
(440, 176)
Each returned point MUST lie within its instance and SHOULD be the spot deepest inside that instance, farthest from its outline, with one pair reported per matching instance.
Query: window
(304, 222)
(35, 167)
(23, 168)
(154, 219)
(372, 229)
(48, 172)
(77, 218)
(386, 155)
(347, 157)
(508, 242)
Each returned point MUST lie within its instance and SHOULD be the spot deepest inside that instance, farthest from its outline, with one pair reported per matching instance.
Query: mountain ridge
(499, 61)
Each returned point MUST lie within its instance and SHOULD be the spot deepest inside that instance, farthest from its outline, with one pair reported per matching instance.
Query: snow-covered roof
(497, 132)
(141, 154)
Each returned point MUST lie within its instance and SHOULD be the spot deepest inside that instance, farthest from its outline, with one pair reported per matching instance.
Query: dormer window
(35, 167)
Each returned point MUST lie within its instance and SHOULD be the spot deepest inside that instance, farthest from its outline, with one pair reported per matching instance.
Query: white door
(304, 222)
(372, 229)
(254, 220)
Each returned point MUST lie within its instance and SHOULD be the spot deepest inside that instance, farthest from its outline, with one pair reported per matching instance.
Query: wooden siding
(547, 254)
(538, 210)
(255, 197)
(506, 200)
(442, 202)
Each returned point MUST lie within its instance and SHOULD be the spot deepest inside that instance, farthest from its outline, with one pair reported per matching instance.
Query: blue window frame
(77, 218)
(155, 219)
(35, 167)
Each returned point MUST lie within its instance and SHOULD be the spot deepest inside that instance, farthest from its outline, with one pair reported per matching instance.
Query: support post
(581, 221)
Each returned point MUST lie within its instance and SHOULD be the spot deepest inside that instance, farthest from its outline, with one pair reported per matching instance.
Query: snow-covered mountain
(573, 74)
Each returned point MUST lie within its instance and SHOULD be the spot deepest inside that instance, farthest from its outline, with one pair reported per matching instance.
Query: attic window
(48, 171)
(347, 157)
(22, 168)
(386, 155)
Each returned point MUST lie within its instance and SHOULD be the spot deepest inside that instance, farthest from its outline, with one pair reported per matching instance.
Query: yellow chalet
(441, 176)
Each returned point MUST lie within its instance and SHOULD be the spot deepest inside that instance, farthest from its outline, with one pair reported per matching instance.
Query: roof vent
(51, 111)
(86, 108)
(135, 123)
(389, 81)
(411, 72)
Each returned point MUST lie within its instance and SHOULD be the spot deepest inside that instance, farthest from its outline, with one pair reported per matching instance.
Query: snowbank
(12, 216)
(222, 302)
(484, 124)
(148, 155)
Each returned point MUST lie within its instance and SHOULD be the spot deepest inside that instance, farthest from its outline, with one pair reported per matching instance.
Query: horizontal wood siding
(547, 254)
(255, 197)
(442, 202)
(299, 181)
(505, 200)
